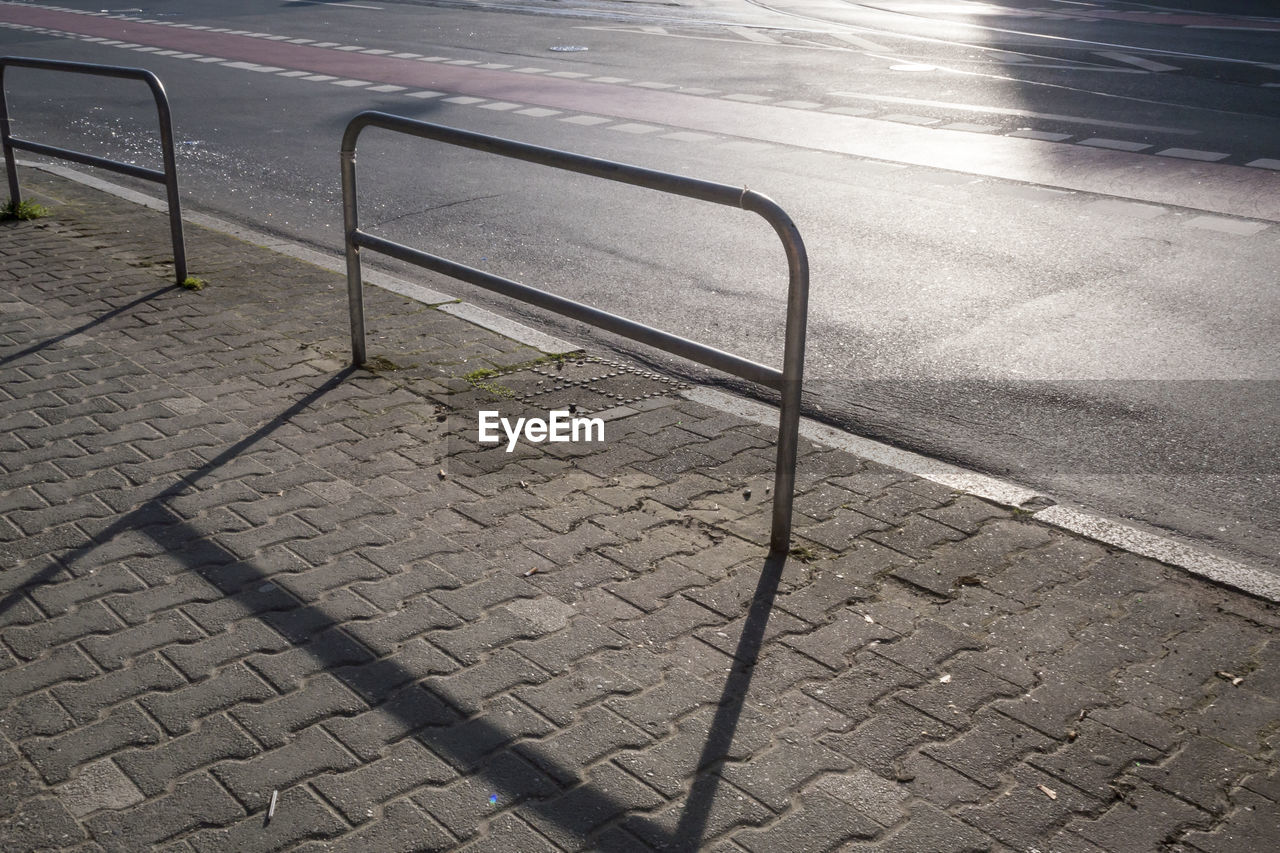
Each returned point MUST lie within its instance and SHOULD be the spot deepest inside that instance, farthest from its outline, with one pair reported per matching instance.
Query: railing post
(10, 167)
(784, 485)
(350, 224)
(170, 178)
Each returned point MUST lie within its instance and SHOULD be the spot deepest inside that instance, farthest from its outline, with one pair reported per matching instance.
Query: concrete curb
(1163, 548)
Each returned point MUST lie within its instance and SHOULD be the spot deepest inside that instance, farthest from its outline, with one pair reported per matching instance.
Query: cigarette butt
(531, 572)
(271, 809)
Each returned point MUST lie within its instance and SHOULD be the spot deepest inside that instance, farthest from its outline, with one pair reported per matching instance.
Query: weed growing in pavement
(24, 210)
(193, 283)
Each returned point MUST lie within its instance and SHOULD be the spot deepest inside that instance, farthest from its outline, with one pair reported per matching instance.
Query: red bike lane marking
(668, 108)
(1234, 190)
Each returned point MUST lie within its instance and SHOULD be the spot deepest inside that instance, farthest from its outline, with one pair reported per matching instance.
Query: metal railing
(168, 177)
(787, 381)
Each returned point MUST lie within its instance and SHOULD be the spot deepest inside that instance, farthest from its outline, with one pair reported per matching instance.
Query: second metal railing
(787, 381)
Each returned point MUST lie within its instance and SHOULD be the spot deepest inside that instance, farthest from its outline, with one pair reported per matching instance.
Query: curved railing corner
(168, 177)
(788, 381)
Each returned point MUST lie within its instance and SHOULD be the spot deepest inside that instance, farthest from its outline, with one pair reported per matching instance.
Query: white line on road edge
(1164, 549)
(441, 301)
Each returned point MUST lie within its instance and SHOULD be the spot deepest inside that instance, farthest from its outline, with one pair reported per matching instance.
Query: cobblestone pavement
(236, 572)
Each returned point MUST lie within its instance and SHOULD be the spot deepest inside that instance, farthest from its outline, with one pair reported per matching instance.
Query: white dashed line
(500, 106)
(320, 78)
(538, 112)
(908, 118)
(1221, 224)
(1264, 163)
(849, 111)
(425, 93)
(1136, 209)
(351, 84)
(1042, 135)
(746, 99)
(464, 99)
(387, 87)
(1113, 144)
(1192, 154)
(586, 121)
(636, 128)
(689, 136)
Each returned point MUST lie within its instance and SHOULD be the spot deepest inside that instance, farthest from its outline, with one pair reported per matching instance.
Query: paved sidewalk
(236, 572)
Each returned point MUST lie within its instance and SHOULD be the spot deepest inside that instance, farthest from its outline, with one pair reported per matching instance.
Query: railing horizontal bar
(88, 160)
(692, 350)
(566, 160)
(79, 67)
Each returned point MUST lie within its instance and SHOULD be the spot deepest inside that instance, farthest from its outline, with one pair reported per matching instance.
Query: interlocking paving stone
(233, 567)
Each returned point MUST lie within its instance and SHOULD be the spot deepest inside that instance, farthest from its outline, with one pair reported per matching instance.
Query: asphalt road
(1042, 237)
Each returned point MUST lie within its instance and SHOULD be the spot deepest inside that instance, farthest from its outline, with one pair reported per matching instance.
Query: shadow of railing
(84, 327)
(692, 826)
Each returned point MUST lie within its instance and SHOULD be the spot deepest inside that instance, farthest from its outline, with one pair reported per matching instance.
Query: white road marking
(464, 99)
(1193, 154)
(320, 78)
(425, 93)
(753, 35)
(351, 84)
(636, 128)
(1221, 224)
(1008, 111)
(501, 106)
(1039, 134)
(1264, 163)
(859, 41)
(907, 118)
(387, 87)
(1138, 61)
(689, 136)
(1113, 144)
(970, 128)
(586, 121)
(1136, 209)
(538, 112)
(749, 99)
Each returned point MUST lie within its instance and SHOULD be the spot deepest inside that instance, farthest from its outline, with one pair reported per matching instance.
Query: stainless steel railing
(787, 381)
(168, 177)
